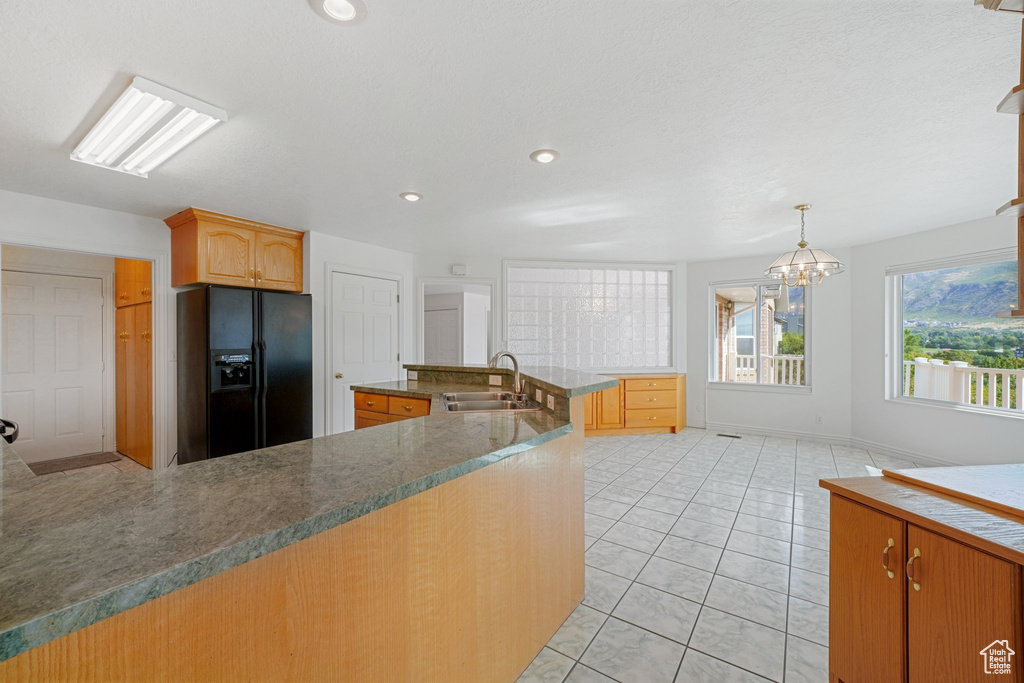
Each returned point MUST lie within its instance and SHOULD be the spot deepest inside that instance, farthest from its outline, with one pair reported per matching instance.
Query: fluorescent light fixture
(411, 196)
(145, 127)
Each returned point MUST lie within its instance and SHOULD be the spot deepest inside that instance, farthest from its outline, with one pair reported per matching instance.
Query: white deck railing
(776, 369)
(961, 383)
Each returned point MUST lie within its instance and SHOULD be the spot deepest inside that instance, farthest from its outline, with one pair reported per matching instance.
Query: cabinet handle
(371, 403)
(145, 291)
(652, 418)
(652, 399)
(252, 274)
(407, 407)
(146, 335)
(124, 296)
(912, 569)
(259, 275)
(652, 384)
(124, 337)
(338, 375)
(885, 558)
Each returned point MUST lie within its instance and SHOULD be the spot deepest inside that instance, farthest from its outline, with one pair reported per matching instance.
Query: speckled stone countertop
(411, 388)
(77, 549)
(565, 382)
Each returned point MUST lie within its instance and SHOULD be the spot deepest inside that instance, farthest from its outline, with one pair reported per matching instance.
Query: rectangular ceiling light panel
(145, 127)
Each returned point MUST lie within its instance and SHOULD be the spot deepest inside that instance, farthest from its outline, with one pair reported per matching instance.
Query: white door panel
(364, 334)
(442, 338)
(52, 363)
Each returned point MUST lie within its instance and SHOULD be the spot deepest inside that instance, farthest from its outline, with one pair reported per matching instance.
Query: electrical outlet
(551, 402)
(494, 380)
(818, 420)
(540, 396)
(413, 375)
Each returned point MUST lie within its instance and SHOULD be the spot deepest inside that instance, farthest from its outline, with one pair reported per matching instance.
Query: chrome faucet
(517, 382)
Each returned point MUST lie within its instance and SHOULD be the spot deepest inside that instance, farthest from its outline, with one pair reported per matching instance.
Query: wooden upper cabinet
(278, 261)
(867, 595)
(133, 282)
(211, 248)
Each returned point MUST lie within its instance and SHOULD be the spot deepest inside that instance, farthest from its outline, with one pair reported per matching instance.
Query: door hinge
(398, 298)
(398, 356)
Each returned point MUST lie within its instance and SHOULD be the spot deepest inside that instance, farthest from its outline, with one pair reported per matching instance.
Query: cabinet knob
(885, 558)
(912, 569)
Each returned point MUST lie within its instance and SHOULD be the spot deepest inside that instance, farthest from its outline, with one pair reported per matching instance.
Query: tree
(955, 354)
(792, 344)
(912, 346)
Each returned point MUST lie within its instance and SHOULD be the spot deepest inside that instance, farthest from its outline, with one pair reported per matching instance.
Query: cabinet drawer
(376, 403)
(408, 407)
(650, 399)
(650, 417)
(651, 384)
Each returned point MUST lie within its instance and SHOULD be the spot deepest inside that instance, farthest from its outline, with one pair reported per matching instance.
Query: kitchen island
(448, 547)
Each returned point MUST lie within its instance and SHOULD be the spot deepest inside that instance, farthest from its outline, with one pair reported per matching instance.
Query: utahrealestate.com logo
(997, 657)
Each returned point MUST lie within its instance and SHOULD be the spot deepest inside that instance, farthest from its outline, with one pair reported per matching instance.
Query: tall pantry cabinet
(133, 295)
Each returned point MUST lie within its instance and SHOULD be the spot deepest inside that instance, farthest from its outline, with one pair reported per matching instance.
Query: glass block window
(590, 317)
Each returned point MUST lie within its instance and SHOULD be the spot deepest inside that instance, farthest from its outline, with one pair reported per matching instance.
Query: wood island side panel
(464, 582)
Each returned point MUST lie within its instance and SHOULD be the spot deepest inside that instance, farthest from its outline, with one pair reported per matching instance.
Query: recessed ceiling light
(544, 156)
(411, 196)
(145, 127)
(341, 11)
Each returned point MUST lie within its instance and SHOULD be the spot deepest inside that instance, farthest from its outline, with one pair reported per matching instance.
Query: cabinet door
(228, 255)
(142, 280)
(365, 418)
(609, 408)
(124, 326)
(967, 600)
(123, 282)
(866, 618)
(140, 394)
(589, 412)
(278, 262)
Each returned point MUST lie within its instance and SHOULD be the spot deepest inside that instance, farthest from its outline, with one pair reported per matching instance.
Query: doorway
(456, 321)
(364, 339)
(60, 358)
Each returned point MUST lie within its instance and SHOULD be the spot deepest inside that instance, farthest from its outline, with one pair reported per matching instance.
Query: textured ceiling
(687, 129)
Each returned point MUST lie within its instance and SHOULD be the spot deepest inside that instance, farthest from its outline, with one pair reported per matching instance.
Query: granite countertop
(565, 382)
(77, 549)
(411, 388)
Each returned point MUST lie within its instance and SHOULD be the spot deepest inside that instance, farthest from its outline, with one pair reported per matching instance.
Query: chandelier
(804, 266)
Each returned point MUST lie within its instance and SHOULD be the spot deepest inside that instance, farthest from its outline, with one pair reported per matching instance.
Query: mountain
(965, 293)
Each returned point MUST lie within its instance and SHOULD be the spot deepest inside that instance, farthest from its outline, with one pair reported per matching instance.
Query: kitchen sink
(487, 402)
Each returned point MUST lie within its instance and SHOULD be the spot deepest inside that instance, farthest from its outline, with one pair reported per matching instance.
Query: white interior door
(364, 339)
(52, 358)
(442, 339)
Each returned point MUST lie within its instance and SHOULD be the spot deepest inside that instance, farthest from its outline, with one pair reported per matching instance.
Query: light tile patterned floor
(707, 560)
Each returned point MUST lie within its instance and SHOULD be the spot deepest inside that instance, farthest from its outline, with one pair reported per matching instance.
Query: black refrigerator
(245, 370)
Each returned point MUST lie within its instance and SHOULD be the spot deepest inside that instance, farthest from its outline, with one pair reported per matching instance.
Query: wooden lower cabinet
(133, 380)
(866, 613)
(378, 409)
(646, 404)
(921, 611)
(967, 600)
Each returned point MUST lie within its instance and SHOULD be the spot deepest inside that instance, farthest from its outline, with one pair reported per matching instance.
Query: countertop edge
(66, 620)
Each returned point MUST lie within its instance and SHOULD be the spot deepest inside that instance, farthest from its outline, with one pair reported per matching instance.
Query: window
(950, 344)
(589, 316)
(759, 334)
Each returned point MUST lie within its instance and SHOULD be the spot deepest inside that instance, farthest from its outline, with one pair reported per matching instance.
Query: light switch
(540, 396)
(551, 402)
(413, 375)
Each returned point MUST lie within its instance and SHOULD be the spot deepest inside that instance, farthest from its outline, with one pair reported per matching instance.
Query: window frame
(894, 328)
(712, 355)
(673, 300)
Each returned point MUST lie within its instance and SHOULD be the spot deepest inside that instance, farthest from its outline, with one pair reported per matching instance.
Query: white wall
(323, 251)
(951, 435)
(476, 322)
(39, 222)
(772, 409)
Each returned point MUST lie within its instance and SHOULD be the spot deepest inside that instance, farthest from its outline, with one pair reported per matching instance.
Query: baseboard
(873, 446)
(726, 428)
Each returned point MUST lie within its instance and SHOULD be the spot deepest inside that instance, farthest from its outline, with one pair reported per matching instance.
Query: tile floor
(707, 560)
(122, 465)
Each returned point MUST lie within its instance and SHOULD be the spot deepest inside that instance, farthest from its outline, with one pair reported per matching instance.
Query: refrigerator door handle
(263, 394)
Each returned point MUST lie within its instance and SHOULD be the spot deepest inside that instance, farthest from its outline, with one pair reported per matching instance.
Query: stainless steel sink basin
(487, 402)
